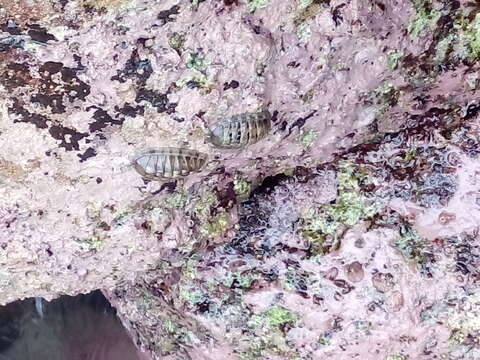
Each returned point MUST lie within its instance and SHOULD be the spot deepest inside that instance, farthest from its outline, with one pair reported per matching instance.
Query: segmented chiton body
(168, 163)
(240, 130)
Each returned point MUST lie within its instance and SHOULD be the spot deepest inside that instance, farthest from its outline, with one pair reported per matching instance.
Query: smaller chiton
(240, 130)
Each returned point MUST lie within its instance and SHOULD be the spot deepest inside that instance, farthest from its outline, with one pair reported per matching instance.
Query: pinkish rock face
(349, 230)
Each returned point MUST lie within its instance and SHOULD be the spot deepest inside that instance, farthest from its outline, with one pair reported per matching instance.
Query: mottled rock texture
(349, 231)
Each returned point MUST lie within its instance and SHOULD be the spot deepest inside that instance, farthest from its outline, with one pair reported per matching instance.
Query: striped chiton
(168, 163)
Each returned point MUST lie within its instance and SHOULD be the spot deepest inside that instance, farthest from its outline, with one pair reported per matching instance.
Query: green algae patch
(304, 31)
(270, 327)
(121, 217)
(472, 36)
(192, 296)
(109, 4)
(195, 80)
(177, 200)
(275, 317)
(443, 48)
(196, 4)
(239, 280)
(393, 57)
(215, 226)
(324, 225)
(425, 18)
(241, 186)
(203, 206)
(278, 317)
(213, 220)
(172, 331)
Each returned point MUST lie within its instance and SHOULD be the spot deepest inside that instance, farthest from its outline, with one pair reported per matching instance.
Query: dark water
(83, 327)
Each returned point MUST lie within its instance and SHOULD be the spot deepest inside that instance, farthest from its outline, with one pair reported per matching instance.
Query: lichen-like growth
(396, 357)
(304, 31)
(464, 320)
(254, 5)
(92, 243)
(307, 138)
(196, 4)
(413, 247)
(176, 41)
(196, 61)
(387, 95)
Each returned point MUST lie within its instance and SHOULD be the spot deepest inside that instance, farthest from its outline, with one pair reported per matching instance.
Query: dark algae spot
(130, 110)
(52, 91)
(300, 122)
(156, 99)
(55, 102)
(89, 152)
(167, 15)
(51, 67)
(40, 34)
(231, 85)
(16, 75)
(40, 121)
(69, 138)
(136, 69)
(102, 120)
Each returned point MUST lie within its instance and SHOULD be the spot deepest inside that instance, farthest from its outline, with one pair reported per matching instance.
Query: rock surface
(351, 230)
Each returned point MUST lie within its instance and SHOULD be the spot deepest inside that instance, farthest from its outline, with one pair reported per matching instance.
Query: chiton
(168, 163)
(240, 130)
